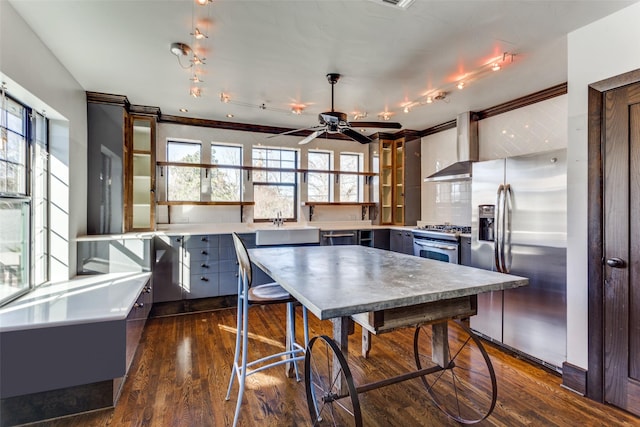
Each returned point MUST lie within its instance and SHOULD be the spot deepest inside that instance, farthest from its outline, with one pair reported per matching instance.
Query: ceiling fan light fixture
(199, 34)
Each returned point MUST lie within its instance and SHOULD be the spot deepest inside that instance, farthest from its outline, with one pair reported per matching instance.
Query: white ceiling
(277, 53)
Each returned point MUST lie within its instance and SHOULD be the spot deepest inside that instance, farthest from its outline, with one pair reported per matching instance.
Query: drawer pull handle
(204, 252)
(204, 279)
(204, 239)
(204, 265)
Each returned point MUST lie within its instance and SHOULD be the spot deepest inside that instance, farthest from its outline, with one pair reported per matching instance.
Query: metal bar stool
(270, 293)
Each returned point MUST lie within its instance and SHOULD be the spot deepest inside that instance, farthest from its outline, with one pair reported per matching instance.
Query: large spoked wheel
(324, 369)
(466, 388)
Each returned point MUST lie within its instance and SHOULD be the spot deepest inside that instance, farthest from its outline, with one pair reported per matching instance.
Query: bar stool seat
(269, 293)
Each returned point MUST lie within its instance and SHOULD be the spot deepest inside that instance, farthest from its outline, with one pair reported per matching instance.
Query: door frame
(596, 326)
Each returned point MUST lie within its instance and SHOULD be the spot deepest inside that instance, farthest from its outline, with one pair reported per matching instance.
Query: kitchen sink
(287, 235)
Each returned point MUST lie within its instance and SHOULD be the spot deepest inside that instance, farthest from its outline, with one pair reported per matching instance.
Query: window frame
(312, 172)
(225, 166)
(358, 178)
(280, 170)
(29, 134)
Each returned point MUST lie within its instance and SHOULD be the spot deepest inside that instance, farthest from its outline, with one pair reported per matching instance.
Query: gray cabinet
(167, 268)
(465, 250)
(192, 267)
(381, 238)
(401, 241)
(106, 126)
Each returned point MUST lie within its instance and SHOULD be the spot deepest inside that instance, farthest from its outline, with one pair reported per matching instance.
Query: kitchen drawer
(204, 266)
(228, 265)
(201, 286)
(227, 252)
(201, 241)
(228, 283)
(199, 254)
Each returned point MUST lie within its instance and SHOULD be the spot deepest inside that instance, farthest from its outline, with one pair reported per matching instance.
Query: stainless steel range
(439, 242)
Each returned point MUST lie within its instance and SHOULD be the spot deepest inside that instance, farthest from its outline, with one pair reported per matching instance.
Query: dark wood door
(622, 248)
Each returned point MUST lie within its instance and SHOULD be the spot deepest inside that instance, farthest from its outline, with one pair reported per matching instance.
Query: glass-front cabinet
(140, 197)
(392, 181)
(386, 182)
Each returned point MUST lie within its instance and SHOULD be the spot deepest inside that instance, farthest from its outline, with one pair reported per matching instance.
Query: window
(226, 183)
(350, 185)
(183, 183)
(24, 200)
(318, 183)
(186, 183)
(274, 191)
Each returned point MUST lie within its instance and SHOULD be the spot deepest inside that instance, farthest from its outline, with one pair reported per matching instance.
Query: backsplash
(449, 202)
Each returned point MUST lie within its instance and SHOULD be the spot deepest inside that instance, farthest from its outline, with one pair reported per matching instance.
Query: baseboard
(574, 378)
(56, 403)
(171, 308)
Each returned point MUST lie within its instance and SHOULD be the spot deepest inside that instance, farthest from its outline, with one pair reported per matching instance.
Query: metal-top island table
(382, 291)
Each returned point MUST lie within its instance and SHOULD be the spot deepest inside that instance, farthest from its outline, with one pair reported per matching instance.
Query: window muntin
(183, 183)
(318, 183)
(226, 183)
(274, 191)
(350, 185)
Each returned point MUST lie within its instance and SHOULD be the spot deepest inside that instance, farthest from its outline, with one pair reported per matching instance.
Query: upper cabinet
(120, 165)
(140, 200)
(399, 180)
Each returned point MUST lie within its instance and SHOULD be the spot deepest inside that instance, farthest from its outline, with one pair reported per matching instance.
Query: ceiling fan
(337, 122)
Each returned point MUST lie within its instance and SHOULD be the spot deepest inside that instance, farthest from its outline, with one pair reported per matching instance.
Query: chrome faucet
(278, 220)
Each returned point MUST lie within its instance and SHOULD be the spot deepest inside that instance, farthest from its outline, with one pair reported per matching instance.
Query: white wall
(35, 76)
(537, 127)
(226, 214)
(604, 49)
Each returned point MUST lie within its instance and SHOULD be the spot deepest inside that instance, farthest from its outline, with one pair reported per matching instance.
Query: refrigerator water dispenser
(486, 220)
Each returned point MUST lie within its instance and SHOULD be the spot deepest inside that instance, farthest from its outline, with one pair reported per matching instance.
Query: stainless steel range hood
(466, 151)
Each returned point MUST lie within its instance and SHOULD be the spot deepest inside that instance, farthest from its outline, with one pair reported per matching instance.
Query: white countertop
(84, 299)
(228, 228)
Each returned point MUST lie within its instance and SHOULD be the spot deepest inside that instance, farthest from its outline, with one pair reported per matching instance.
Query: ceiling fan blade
(311, 137)
(381, 125)
(356, 136)
(293, 131)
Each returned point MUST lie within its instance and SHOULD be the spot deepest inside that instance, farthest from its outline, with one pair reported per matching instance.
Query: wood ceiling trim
(107, 98)
(121, 100)
(523, 101)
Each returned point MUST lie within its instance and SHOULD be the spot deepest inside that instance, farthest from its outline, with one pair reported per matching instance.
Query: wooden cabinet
(140, 161)
(399, 164)
(120, 166)
(401, 241)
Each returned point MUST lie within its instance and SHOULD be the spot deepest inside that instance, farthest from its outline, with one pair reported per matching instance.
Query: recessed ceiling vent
(402, 4)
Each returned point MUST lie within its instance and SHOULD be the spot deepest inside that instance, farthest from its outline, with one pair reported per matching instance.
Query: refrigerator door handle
(506, 226)
(498, 227)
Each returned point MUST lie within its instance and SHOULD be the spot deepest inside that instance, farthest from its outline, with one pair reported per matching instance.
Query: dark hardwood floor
(180, 374)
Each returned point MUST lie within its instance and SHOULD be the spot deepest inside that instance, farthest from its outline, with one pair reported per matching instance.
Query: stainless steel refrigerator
(519, 226)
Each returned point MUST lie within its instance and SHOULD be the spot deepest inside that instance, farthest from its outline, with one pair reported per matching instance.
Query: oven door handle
(434, 245)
